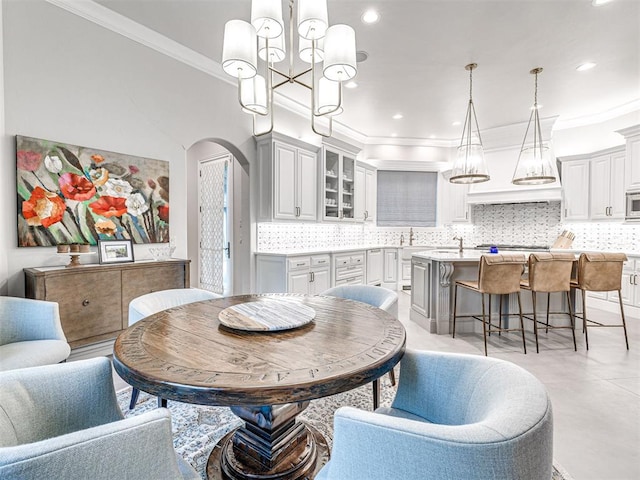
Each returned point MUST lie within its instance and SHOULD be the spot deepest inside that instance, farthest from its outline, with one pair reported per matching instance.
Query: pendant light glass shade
(470, 166)
(534, 165)
(239, 49)
(253, 95)
(277, 51)
(340, 53)
(266, 17)
(329, 98)
(313, 19)
(304, 50)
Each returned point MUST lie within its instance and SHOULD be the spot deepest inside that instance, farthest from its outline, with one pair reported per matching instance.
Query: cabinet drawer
(357, 259)
(349, 271)
(342, 260)
(320, 260)
(354, 280)
(89, 303)
(298, 262)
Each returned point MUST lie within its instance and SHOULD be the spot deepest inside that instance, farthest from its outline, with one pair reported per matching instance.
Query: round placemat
(266, 315)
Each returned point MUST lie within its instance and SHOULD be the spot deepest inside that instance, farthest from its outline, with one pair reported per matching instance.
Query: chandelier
(470, 166)
(264, 38)
(534, 165)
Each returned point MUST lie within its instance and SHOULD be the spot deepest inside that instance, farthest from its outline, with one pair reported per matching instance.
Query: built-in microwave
(633, 206)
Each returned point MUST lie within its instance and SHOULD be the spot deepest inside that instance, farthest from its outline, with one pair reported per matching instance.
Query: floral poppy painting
(70, 194)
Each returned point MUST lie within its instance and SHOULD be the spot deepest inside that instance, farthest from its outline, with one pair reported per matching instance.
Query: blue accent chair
(63, 421)
(454, 417)
(154, 302)
(30, 334)
(379, 297)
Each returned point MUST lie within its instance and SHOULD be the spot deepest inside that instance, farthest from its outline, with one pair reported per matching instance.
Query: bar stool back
(550, 273)
(600, 272)
(498, 274)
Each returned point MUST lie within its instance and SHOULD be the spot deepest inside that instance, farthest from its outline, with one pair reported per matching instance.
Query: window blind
(407, 198)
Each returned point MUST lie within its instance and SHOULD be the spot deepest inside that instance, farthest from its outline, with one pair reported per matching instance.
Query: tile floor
(595, 394)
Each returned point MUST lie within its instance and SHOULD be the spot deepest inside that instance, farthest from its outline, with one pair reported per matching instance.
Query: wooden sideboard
(94, 299)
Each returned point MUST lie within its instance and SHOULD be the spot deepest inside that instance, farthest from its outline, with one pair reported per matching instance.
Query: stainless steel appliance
(633, 206)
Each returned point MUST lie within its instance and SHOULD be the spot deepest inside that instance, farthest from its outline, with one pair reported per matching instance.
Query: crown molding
(584, 121)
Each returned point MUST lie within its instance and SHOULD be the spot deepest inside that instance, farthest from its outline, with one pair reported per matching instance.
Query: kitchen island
(433, 276)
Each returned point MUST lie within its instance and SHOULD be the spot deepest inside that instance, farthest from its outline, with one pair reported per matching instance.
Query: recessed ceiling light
(370, 16)
(351, 84)
(397, 116)
(361, 56)
(585, 66)
(597, 3)
(432, 136)
(394, 134)
(456, 124)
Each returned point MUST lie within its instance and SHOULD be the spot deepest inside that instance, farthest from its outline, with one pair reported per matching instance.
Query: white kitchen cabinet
(607, 194)
(288, 187)
(349, 268)
(338, 186)
(365, 193)
(454, 208)
(575, 187)
(632, 157)
(375, 263)
(308, 274)
(390, 268)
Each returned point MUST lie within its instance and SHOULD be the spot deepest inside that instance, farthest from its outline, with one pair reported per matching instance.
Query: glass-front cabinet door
(339, 185)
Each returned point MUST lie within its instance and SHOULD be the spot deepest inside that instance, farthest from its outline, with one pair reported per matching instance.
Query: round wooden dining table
(186, 354)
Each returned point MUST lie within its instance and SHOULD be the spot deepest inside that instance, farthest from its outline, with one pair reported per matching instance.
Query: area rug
(196, 428)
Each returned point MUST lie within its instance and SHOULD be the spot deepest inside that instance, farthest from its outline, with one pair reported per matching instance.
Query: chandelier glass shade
(534, 163)
(470, 166)
(263, 41)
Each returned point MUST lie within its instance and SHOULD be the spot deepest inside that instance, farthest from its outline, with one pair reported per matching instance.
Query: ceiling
(418, 51)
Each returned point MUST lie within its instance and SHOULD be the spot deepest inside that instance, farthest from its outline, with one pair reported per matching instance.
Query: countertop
(346, 249)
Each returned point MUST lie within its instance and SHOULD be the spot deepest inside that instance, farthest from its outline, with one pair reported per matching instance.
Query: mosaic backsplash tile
(521, 224)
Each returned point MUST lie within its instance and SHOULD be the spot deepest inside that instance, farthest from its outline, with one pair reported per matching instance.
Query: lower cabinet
(375, 263)
(420, 286)
(349, 268)
(390, 268)
(94, 299)
(308, 274)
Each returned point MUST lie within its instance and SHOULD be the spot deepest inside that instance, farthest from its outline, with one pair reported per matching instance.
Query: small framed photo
(115, 251)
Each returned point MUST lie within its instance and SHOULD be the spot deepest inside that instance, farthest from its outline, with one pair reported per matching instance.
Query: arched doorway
(218, 217)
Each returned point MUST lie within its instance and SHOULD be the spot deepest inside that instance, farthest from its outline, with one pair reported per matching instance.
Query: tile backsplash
(521, 224)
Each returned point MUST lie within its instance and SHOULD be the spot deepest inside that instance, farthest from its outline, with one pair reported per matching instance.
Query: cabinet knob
(85, 302)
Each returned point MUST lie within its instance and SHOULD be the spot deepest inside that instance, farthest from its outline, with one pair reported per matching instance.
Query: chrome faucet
(460, 247)
(401, 239)
(411, 236)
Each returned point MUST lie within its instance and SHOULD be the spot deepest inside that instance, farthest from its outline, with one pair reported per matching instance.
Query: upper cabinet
(593, 186)
(575, 188)
(288, 185)
(632, 158)
(365, 193)
(454, 207)
(338, 185)
(607, 186)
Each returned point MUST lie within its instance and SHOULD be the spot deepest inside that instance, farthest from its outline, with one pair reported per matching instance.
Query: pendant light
(470, 166)
(534, 165)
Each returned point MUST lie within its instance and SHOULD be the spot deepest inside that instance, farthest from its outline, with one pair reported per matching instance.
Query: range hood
(501, 155)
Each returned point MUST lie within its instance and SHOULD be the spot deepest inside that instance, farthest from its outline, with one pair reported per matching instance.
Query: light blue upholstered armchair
(63, 421)
(379, 297)
(30, 333)
(454, 417)
(154, 302)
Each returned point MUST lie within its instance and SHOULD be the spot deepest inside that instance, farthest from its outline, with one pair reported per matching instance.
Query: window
(407, 198)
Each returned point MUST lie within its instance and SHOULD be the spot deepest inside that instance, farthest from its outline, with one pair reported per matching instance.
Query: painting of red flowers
(72, 194)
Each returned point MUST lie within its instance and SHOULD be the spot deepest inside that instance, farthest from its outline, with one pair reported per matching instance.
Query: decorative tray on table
(266, 315)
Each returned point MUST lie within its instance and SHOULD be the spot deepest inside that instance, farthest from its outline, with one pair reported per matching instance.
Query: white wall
(6, 215)
(70, 80)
